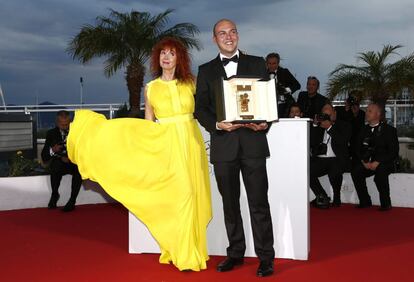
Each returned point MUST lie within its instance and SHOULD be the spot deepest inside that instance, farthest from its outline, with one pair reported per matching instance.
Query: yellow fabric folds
(159, 171)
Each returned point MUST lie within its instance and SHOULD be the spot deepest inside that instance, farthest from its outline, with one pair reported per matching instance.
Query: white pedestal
(287, 170)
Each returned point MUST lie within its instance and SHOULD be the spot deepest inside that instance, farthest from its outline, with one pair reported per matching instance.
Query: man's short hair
(328, 102)
(219, 21)
(295, 105)
(273, 55)
(63, 114)
(314, 78)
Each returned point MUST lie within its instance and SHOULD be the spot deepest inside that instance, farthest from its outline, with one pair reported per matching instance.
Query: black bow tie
(225, 61)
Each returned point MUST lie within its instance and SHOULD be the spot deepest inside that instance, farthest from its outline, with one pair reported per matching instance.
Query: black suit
(285, 79)
(311, 105)
(57, 167)
(339, 135)
(357, 123)
(231, 152)
(385, 143)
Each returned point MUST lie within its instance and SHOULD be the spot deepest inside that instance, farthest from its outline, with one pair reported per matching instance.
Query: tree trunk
(135, 80)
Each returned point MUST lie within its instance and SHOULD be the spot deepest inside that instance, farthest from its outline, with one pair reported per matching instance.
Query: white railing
(28, 109)
(398, 111)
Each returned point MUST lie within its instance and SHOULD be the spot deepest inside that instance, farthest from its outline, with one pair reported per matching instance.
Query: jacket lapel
(242, 66)
(219, 67)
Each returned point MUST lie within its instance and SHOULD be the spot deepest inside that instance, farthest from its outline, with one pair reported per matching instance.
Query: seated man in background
(329, 139)
(377, 151)
(310, 101)
(55, 156)
(286, 83)
(295, 111)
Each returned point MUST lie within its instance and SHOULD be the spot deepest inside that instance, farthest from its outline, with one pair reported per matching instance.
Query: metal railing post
(395, 113)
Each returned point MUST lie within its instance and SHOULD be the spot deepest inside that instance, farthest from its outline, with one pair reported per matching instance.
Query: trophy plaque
(247, 100)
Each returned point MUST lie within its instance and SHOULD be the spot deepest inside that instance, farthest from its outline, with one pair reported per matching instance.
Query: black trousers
(59, 168)
(359, 174)
(256, 183)
(323, 166)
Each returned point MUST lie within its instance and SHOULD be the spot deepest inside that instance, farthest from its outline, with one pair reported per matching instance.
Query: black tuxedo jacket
(285, 78)
(226, 146)
(385, 143)
(311, 106)
(53, 137)
(340, 134)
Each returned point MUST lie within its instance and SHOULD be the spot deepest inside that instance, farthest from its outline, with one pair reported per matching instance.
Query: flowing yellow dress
(159, 171)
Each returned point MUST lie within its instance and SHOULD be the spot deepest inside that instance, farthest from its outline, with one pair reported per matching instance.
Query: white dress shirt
(231, 67)
(327, 140)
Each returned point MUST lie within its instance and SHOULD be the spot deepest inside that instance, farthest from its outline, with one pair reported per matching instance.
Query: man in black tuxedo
(310, 101)
(353, 114)
(235, 148)
(286, 83)
(377, 151)
(54, 154)
(329, 140)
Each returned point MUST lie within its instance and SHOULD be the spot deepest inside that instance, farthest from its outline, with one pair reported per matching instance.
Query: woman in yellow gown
(158, 170)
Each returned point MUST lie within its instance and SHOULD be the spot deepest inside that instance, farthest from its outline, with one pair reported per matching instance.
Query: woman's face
(168, 59)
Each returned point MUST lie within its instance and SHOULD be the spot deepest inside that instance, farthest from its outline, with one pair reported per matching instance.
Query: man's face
(63, 122)
(295, 112)
(329, 110)
(226, 38)
(373, 114)
(272, 64)
(312, 86)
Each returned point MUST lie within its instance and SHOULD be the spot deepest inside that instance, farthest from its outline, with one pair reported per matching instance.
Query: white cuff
(218, 127)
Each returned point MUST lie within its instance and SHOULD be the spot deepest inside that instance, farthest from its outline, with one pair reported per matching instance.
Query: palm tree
(375, 78)
(126, 39)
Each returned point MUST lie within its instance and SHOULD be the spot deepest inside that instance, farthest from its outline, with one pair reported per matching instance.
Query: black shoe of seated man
(385, 208)
(265, 268)
(53, 201)
(70, 206)
(322, 202)
(229, 263)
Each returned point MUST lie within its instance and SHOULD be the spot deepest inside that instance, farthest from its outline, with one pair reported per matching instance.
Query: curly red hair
(183, 68)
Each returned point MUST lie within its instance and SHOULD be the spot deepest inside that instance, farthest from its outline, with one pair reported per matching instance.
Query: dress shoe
(265, 268)
(53, 201)
(70, 206)
(321, 202)
(229, 263)
(385, 208)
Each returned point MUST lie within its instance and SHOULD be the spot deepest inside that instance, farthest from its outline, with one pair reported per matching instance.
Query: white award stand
(287, 170)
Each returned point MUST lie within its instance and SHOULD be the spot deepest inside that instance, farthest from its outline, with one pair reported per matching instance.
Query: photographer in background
(54, 155)
(377, 151)
(310, 101)
(329, 139)
(352, 113)
(286, 83)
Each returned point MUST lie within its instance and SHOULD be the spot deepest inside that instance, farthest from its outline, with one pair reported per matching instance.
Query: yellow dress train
(159, 171)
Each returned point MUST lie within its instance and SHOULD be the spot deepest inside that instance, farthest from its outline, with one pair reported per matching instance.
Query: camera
(320, 149)
(282, 90)
(351, 100)
(63, 152)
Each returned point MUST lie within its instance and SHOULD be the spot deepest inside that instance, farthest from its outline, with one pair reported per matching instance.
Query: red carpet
(91, 244)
